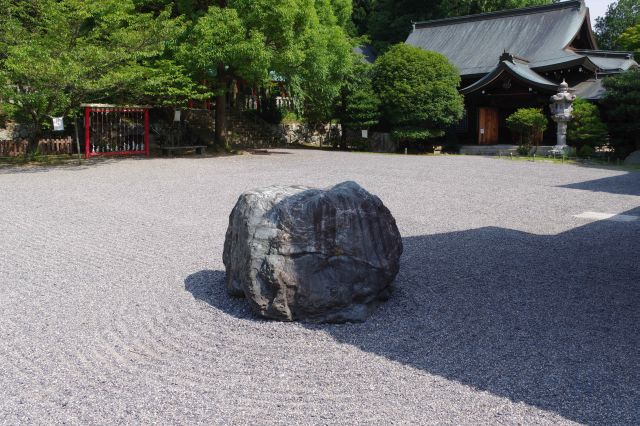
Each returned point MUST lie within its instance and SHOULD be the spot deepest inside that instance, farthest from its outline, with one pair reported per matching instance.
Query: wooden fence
(45, 146)
(12, 148)
(55, 146)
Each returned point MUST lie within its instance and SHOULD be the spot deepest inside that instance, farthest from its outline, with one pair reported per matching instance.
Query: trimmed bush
(586, 127)
(527, 123)
(586, 151)
(418, 92)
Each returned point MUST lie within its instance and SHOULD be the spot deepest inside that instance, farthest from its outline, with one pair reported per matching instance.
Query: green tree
(620, 15)
(418, 92)
(361, 13)
(470, 7)
(586, 127)
(622, 110)
(319, 79)
(630, 39)
(220, 46)
(360, 106)
(302, 41)
(62, 53)
(527, 123)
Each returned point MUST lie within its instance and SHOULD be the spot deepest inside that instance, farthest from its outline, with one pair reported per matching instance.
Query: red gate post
(87, 118)
(146, 131)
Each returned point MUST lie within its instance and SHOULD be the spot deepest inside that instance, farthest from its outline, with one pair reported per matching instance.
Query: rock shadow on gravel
(209, 286)
(549, 320)
(626, 184)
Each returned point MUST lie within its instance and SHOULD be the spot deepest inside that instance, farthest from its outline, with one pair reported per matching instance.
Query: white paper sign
(365, 134)
(176, 115)
(482, 131)
(58, 123)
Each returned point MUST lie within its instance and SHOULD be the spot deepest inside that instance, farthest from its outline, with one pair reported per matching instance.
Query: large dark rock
(299, 253)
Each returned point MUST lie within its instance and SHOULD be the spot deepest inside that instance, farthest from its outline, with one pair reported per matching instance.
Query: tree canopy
(620, 16)
(360, 103)
(61, 53)
(630, 39)
(418, 91)
(303, 42)
(55, 54)
(622, 110)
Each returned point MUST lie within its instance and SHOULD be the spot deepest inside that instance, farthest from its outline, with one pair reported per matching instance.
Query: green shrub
(523, 150)
(569, 152)
(290, 117)
(418, 92)
(586, 127)
(586, 151)
(527, 123)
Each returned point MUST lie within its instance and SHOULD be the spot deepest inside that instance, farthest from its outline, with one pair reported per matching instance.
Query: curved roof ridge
(501, 13)
(520, 71)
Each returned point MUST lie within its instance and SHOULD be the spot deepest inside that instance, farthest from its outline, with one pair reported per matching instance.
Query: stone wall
(319, 136)
(15, 131)
(382, 142)
(376, 142)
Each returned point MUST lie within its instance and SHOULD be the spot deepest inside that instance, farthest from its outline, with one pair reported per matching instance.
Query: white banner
(58, 124)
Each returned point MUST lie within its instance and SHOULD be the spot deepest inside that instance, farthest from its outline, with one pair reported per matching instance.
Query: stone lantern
(561, 111)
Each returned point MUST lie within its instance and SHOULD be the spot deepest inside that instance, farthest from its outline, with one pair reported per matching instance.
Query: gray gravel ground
(508, 309)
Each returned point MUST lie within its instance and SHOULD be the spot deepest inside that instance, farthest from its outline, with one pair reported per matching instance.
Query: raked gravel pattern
(508, 308)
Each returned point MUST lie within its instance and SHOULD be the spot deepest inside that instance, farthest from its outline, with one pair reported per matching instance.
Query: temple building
(518, 58)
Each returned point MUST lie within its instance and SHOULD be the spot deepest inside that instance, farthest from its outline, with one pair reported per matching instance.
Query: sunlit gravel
(508, 308)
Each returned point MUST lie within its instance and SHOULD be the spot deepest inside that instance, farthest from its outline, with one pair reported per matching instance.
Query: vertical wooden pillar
(87, 133)
(146, 131)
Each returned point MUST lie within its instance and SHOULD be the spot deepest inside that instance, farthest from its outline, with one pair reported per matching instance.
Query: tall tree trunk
(221, 109)
(221, 101)
(263, 105)
(32, 145)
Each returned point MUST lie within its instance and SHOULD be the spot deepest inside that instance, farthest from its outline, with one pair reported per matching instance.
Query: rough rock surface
(299, 253)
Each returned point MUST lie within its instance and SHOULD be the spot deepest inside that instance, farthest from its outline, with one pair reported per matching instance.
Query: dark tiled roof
(518, 69)
(473, 43)
(367, 52)
(590, 89)
(610, 62)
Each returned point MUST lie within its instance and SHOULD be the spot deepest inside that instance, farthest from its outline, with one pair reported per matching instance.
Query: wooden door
(488, 126)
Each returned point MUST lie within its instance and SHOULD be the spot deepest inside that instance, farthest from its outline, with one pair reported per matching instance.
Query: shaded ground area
(625, 184)
(507, 309)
